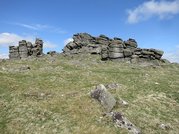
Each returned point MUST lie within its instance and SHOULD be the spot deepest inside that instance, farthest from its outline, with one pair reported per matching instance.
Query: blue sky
(153, 23)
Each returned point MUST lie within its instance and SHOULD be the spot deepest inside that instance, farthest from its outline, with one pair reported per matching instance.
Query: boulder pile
(26, 49)
(111, 49)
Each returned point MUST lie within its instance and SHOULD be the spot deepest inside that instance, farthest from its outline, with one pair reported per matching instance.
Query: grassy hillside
(53, 96)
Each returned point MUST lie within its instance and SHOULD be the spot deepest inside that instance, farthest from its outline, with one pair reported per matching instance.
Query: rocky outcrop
(85, 43)
(112, 49)
(26, 49)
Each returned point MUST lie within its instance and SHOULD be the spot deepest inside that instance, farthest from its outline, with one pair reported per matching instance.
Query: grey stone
(104, 37)
(23, 50)
(134, 61)
(104, 97)
(123, 122)
(114, 55)
(66, 50)
(123, 102)
(112, 86)
(116, 49)
(116, 41)
(116, 45)
(104, 54)
(127, 53)
(116, 38)
(134, 56)
(131, 43)
(14, 52)
(164, 126)
(95, 50)
(158, 52)
(147, 52)
(158, 56)
(71, 45)
(102, 41)
(83, 38)
(26, 49)
(137, 53)
(52, 53)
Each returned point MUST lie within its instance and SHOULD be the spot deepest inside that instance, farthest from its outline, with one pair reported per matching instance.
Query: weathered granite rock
(104, 97)
(158, 53)
(29, 48)
(103, 40)
(26, 49)
(116, 50)
(23, 51)
(123, 122)
(14, 52)
(130, 43)
(112, 86)
(164, 126)
(104, 54)
(108, 102)
(112, 49)
(85, 43)
(128, 53)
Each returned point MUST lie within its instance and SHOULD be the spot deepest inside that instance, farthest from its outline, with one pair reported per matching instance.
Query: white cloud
(164, 9)
(172, 56)
(7, 39)
(4, 56)
(68, 41)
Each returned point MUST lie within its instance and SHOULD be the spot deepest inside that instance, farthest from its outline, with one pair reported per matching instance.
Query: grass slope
(53, 96)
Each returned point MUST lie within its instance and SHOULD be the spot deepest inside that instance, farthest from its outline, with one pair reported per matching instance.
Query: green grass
(152, 94)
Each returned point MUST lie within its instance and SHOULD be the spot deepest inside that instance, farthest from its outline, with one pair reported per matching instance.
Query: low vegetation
(52, 95)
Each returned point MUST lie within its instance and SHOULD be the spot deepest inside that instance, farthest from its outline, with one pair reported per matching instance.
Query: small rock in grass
(104, 97)
(123, 122)
(112, 86)
(164, 126)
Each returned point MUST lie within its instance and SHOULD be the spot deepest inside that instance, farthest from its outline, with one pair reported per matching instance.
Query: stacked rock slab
(26, 49)
(14, 52)
(111, 49)
(37, 48)
(85, 43)
(116, 49)
(23, 51)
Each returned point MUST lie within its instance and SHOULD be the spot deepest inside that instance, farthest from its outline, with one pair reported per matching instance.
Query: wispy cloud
(172, 56)
(163, 9)
(7, 39)
(33, 26)
(42, 27)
